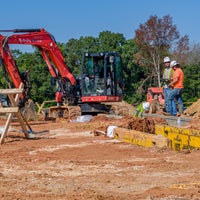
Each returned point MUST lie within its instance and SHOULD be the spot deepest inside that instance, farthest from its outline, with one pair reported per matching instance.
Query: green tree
(74, 48)
(109, 41)
(41, 88)
(133, 74)
(192, 82)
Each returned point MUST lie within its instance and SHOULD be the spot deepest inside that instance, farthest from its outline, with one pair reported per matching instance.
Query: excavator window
(89, 69)
(102, 75)
(118, 68)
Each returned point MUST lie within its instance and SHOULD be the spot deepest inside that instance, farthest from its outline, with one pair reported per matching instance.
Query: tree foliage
(193, 56)
(154, 39)
(181, 50)
(192, 82)
(133, 74)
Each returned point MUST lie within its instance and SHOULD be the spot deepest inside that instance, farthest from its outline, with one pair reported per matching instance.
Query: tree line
(142, 60)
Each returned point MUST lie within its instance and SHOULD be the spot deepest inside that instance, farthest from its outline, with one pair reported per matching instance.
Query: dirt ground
(68, 161)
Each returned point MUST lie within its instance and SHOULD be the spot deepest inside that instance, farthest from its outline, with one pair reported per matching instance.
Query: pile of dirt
(129, 107)
(195, 123)
(194, 109)
(129, 122)
(144, 125)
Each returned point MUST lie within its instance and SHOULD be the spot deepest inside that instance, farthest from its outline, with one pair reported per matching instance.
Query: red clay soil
(194, 109)
(67, 161)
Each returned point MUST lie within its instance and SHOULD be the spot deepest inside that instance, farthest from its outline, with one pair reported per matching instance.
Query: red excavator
(99, 84)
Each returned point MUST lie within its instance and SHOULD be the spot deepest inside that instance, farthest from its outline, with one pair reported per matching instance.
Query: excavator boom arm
(46, 44)
(9, 63)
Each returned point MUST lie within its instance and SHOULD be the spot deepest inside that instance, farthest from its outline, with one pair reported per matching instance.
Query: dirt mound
(130, 107)
(195, 123)
(129, 122)
(194, 109)
(144, 125)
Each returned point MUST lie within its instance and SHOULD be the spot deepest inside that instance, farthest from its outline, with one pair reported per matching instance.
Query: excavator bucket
(28, 111)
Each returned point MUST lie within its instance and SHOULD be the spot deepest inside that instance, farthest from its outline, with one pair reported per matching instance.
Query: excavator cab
(101, 81)
(101, 76)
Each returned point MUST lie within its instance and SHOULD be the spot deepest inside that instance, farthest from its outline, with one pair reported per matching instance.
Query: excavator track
(66, 112)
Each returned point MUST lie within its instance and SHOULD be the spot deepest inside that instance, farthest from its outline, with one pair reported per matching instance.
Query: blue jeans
(175, 94)
(166, 94)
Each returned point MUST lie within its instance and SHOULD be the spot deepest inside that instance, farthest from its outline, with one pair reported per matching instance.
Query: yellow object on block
(180, 138)
(139, 138)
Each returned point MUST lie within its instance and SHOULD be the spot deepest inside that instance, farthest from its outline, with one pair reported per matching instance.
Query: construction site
(92, 144)
(143, 158)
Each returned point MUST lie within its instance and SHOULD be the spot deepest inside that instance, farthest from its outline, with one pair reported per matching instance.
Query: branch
(140, 89)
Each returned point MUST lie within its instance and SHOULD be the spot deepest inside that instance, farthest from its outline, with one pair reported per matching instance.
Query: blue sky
(67, 19)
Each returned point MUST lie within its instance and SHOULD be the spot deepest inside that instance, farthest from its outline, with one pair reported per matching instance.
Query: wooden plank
(9, 110)
(11, 91)
(19, 114)
(14, 95)
(10, 116)
(14, 101)
(6, 128)
(40, 107)
(23, 125)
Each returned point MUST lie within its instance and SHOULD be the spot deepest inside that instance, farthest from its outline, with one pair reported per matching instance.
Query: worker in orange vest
(177, 91)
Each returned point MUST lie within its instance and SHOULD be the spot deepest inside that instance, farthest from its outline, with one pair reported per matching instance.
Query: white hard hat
(166, 59)
(174, 63)
(146, 105)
